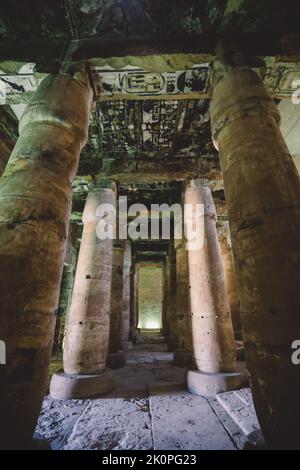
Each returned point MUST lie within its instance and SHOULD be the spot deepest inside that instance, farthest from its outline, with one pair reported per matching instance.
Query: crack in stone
(150, 418)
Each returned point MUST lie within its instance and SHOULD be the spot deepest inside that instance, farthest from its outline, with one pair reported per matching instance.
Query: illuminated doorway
(150, 297)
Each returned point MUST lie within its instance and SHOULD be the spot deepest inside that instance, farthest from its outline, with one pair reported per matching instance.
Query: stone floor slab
(239, 405)
(184, 421)
(113, 424)
(237, 435)
(149, 408)
(57, 420)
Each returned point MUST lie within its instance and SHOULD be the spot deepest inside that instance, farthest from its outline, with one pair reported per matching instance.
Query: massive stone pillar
(35, 204)
(231, 280)
(183, 354)
(65, 297)
(126, 297)
(262, 191)
(164, 301)
(213, 340)
(134, 304)
(86, 343)
(171, 321)
(116, 357)
(66, 286)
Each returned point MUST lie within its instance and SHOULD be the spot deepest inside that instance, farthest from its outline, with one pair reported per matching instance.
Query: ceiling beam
(49, 53)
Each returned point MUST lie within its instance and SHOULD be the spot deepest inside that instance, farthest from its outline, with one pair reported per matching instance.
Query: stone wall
(150, 297)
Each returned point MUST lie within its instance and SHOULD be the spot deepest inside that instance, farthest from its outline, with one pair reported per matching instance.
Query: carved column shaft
(171, 320)
(231, 279)
(262, 191)
(86, 343)
(115, 336)
(184, 352)
(35, 204)
(126, 295)
(211, 322)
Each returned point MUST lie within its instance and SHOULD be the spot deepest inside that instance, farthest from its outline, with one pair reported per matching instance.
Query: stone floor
(148, 409)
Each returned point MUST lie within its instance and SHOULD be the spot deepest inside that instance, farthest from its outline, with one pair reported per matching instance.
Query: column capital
(220, 66)
(53, 103)
(99, 196)
(203, 196)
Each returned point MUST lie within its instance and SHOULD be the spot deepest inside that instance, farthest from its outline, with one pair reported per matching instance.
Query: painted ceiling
(151, 60)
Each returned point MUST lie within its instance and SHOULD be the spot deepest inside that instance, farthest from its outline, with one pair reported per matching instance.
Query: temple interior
(149, 224)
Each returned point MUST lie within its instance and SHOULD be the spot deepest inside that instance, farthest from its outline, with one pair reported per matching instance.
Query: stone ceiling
(150, 59)
(82, 29)
(130, 132)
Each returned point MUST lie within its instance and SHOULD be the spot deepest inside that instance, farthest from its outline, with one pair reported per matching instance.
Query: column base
(116, 360)
(209, 385)
(66, 386)
(183, 359)
(127, 345)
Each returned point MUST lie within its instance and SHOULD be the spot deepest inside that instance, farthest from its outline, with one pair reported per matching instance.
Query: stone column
(86, 343)
(171, 322)
(126, 344)
(65, 297)
(116, 357)
(183, 355)
(164, 301)
(231, 281)
(213, 340)
(134, 309)
(35, 204)
(66, 286)
(262, 189)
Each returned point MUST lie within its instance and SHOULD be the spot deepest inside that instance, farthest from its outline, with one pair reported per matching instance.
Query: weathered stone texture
(212, 330)
(86, 343)
(262, 191)
(115, 333)
(35, 195)
(126, 293)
